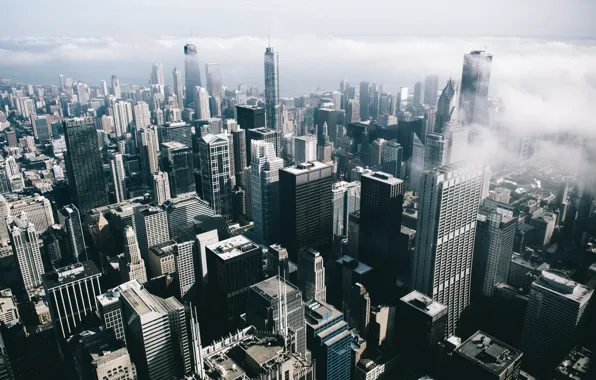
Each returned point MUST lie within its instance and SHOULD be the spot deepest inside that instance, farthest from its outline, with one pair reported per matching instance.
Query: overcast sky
(142, 18)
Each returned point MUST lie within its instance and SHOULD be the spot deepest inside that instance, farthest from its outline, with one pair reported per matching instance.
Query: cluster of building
(190, 232)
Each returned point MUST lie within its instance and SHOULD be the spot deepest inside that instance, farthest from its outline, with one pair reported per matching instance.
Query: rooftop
(71, 273)
(318, 312)
(356, 266)
(558, 282)
(383, 177)
(232, 247)
(423, 303)
(576, 364)
(269, 288)
(163, 249)
(174, 145)
(306, 167)
(489, 353)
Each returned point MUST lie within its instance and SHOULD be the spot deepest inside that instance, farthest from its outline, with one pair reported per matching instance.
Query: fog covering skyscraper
(474, 87)
(192, 72)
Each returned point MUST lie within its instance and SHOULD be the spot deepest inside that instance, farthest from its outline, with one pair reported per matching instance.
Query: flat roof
(306, 167)
(163, 249)
(489, 353)
(357, 266)
(262, 353)
(423, 303)
(70, 273)
(318, 312)
(383, 177)
(269, 288)
(232, 247)
(558, 282)
(174, 145)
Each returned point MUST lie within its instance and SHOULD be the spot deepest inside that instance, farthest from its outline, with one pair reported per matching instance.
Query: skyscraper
(142, 116)
(263, 134)
(148, 149)
(267, 303)
(435, 152)
(265, 191)
(442, 263)
(178, 89)
(177, 161)
(272, 106)
(25, 247)
(118, 178)
(202, 108)
(161, 187)
(305, 148)
(311, 275)
(214, 87)
(346, 199)
(328, 340)
(151, 226)
(157, 74)
(307, 220)
(474, 87)
(447, 108)
(178, 131)
(70, 219)
(364, 101)
(233, 265)
(84, 165)
(182, 212)
(132, 265)
(240, 162)
(123, 117)
(157, 335)
(380, 223)
(217, 174)
(72, 293)
(456, 135)
(431, 86)
(192, 72)
(392, 159)
(419, 93)
(493, 248)
(116, 91)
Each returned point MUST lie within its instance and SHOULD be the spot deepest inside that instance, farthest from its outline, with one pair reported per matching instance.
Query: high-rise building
(178, 89)
(132, 265)
(84, 165)
(377, 151)
(156, 334)
(311, 275)
(420, 324)
(185, 267)
(419, 93)
(475, 79)
(263, 134)
(70, 220)
(214, 87)
(353, 111)
(358, 309)
(456, 135)
(380, 223)
(151, 226)
(123, 117)
(240, 162)
(202, 109)
(42, 128)
(109, 309)
(442, 264)
(328, 340)
(305, 148)
(118, 178)
(161, 187)
(265, 167)
(148, 149)
(493, 248)
(431, 87)
(25, 247)
(176, 131)
(346, 199)
(272, 105)
(233, 265)
(177, 161)
(250, 117)
(268, 303)
(307, 220)
(483, 357)
(116, 91)
(392, 159)
(72, 293)
(192, 73)
(217, 172)
(447, 108)
(157, 74)
(182, 212)
(324, 146)
(38, 208)
(556, 309)
(364, 100)
(435, 151)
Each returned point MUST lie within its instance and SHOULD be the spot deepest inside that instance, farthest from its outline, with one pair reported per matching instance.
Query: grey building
(431, 87)
(175, 131)
(272, 105)
(151, 226)
(70, 219)
(26, 250)
(177, 161)
(474, 87)
(182, 212)
(217, 172)
(262, 134)
(192, 72)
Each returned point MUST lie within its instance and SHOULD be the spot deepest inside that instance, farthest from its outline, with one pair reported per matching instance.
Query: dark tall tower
(475, 79)
(305, 194)
(272, 106)
(83, 164)
(381, 201)
(177, 161)
(431, 86)
(192, 72)
(364, 100)
(447, 106)
(240, 161)
(70, 220)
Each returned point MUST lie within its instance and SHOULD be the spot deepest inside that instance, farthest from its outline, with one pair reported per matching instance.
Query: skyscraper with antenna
(192, 72)
(272, 105)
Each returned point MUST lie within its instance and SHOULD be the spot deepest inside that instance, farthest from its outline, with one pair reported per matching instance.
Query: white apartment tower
(202, 109)
(119, 178)
(132, 267)
(25, 246)
(447, 210)
(265, 167)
